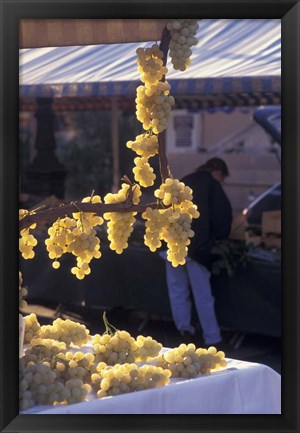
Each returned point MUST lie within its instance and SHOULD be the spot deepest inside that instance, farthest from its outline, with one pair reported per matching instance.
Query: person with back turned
(214, 223)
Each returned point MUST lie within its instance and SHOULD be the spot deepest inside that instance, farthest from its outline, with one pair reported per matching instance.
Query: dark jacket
(215, 215)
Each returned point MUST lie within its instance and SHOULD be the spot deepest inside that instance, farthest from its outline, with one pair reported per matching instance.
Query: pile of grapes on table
(63, 364)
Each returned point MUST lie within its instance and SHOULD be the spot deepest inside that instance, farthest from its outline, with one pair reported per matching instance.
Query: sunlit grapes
(183, 38)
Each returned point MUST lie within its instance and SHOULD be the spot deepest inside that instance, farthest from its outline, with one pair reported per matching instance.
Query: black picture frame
(289, 13)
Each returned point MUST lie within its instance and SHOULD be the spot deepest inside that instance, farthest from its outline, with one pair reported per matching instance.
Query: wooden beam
(36, 33)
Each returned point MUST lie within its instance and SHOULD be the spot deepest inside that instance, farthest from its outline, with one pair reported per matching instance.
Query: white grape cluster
(172, 225)
(172, 191)
(155, 222)
(22, 292)
(124, 378)
(60, 236)
(150, 64)
(120, 224)
(27, 241)
(177, 234)
(145, 145)
(182, 39)
(75, 365)
(45, 347)
(114, 348)
(147, 348)
(77, 236)
(67, 331)
(143, 172)
(32, 327)
(187, 361)
(38, 384)
(153, 106)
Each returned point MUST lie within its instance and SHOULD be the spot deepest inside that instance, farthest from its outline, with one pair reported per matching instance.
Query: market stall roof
(236, 62)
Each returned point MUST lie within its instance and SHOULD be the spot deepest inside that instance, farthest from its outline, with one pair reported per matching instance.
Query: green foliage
(229, 255)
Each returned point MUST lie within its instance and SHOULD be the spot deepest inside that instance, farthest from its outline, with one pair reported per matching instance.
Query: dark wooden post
(45, 175)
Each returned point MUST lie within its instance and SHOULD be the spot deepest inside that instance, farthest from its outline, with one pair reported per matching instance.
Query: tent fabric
(238, 56)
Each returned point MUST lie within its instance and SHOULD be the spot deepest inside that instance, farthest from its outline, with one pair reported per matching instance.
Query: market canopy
(236, 62)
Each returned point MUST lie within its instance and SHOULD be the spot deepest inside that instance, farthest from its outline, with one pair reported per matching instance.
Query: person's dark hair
(215, 164)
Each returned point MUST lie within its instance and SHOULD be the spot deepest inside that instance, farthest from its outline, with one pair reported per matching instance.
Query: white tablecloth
(240, 388)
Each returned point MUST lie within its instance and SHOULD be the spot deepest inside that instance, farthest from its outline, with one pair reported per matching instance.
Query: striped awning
(236, 62)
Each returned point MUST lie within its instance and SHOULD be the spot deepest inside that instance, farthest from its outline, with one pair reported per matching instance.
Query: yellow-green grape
(150, 64)
(77, 236)
(32, 327)
(117, 348)
(77, 390)
(147, 348)
(177, 235)
(183, 33)
(78, 365)
(156, 220)
(143, 172)
(211, 359)
(66, 331)
(172, 191)
(124, 378)
(89, 219)
(189, 208)
(182, 361)
(22, 293)
(46, 347)
(85, 246)
(38, 385)
(145, 145)
(153, 106)
(187, 361)
(120, 224)
(27, 241)
(60, 236)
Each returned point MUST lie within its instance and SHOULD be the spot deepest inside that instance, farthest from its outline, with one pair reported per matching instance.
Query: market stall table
(240, 388)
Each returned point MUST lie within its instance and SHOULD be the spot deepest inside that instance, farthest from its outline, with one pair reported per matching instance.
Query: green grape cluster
(182, 39)
(177, 234)
(172, 191)
(45, 348)
(38, 384)
(150, 64)
(147, 348)
(22, 292)
(145, 145)
(32, 327)
(60, 236)
(27, 241)
(120, 224)
(143, 172)
(77, 236)
(114, 348)
(124, 378)
(153, 106)
(155, 221)
(67, 331)
(172, 225)
(76, 391)
(187, 361)
(75, 365)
